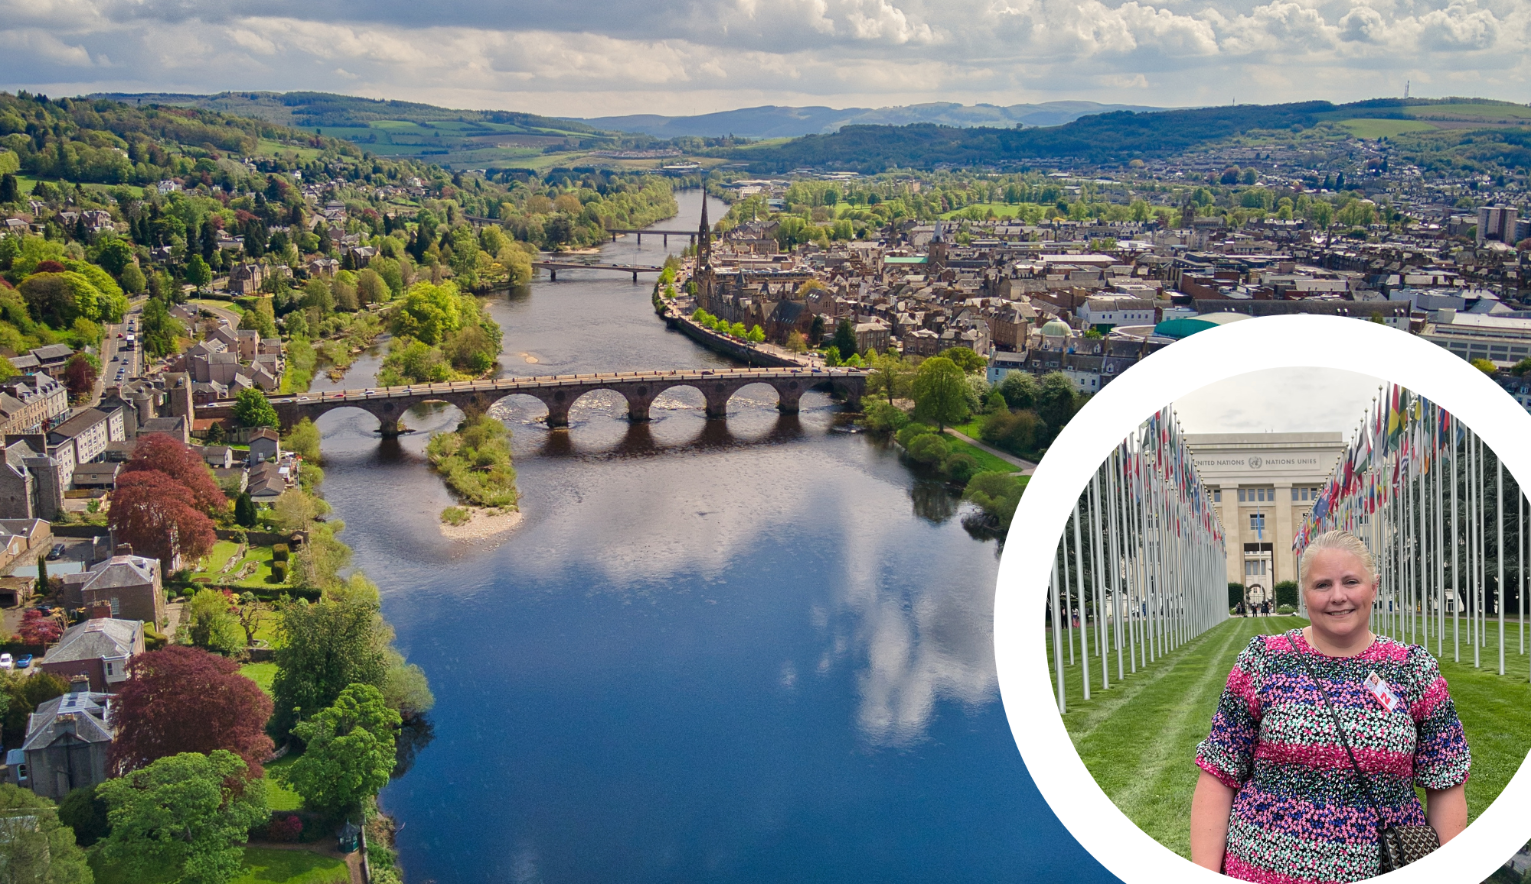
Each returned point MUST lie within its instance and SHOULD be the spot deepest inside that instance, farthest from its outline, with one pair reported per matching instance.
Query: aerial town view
(598, 469)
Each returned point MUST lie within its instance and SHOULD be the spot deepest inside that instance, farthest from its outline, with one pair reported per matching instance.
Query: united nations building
(1263, 484)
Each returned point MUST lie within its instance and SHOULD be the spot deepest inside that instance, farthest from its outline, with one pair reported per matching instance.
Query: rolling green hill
(1498, 135)
(450, 137)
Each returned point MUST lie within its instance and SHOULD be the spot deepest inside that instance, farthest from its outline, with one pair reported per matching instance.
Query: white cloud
(673, 56)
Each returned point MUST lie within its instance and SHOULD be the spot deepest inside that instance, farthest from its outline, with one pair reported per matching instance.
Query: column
(1281, 538)
(1234, 526)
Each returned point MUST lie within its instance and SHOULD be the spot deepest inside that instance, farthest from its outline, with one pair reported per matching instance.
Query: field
(1152, 780)
(1373, 129)
(278, 796)
(263, 865)
(260, 673)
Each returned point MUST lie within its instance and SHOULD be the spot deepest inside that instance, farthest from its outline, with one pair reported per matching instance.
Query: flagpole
(1068, 623)
(1456, 566)
(1499, 578)
(1099, 569)
(1057, 639)
(1084, 611)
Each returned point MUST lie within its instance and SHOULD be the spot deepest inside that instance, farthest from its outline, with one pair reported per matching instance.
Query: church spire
(704, 233)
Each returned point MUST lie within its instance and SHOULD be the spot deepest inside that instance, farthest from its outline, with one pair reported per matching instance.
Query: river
(741, 650)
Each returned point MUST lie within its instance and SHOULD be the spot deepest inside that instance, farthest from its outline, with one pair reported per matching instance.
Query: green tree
(997, 494)
(340, 640)
(35, 846)
(304, 440)
(261, 318)
(845, 338)
(1486, 366)
(161, 331)
(132, 279)
(756, 335)
(10, 192)
(1056, 401)
(815, 329)
(965, 359)
(187, 814)
(1020, 389)
(83, 811)
(253, 409)
(44, 588)
(197, 272)
(350, 752)
(244, 510)
(210, 623)
(891, 376)
(940, 392)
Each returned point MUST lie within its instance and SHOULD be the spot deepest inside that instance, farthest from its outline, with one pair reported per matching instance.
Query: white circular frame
(1020, 650)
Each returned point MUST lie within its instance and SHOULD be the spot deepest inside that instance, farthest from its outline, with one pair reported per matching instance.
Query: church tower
(706, 283)
(704, 236)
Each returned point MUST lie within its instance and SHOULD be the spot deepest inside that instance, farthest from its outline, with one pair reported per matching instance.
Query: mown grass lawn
(278, 796)
(212, 568)
(986, 461)
(260, 673)
(262, 865)
(1152, 780)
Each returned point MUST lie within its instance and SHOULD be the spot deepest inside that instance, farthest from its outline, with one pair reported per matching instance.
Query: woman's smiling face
(1339, 594)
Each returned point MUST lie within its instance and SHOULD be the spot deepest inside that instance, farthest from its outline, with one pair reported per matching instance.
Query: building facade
(1262, 485)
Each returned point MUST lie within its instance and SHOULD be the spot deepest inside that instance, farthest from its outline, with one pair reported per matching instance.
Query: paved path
(1025, 466)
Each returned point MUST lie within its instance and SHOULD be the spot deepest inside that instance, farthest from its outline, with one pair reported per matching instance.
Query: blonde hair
(1341, 540)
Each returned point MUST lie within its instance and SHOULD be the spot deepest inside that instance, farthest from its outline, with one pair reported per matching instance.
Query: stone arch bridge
(559, 393)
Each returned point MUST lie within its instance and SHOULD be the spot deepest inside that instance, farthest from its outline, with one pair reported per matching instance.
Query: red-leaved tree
(183, 699)
(159, 517)
(169, 455)
(79, 376)
(37, 629)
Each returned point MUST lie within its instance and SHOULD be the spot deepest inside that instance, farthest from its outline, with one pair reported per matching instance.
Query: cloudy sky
(1294, 400)
(596, 57)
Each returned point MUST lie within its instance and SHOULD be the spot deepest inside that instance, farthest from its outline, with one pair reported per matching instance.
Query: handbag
(1397, 846)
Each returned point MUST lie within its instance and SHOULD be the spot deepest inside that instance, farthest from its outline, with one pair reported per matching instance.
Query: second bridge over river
(560, 392)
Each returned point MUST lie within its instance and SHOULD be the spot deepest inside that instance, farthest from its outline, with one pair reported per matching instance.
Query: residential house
(52, 358)
(97, 649)
(67, 742)
(22, 540)
(33, 403)
(265, 445)
(267, 480)
(83, 438)
(129, 585)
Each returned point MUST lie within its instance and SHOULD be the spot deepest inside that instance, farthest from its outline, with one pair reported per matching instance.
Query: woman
(1278, 799)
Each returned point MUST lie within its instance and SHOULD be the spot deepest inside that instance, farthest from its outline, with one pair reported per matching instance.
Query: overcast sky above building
(588, 58)
(1296, 400)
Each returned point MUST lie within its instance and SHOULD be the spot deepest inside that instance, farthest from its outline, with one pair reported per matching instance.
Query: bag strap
(1366, 785)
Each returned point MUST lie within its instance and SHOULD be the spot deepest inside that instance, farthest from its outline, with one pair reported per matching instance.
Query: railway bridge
(560, 392)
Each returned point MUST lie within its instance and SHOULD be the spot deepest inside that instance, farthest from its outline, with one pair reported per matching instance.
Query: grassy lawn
(986, 461)
(1175, 697)
(260, 673)
(212, 568)
(262, 865)
(278, 796)
(1384, 128)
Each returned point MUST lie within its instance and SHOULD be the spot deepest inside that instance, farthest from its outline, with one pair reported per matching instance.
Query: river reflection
(724, 650)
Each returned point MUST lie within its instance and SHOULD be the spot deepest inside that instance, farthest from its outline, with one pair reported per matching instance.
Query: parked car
(56, 552)
(6, 662)
(24, 661)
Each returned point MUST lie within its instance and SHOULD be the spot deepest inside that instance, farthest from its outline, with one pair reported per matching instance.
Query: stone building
(1262, 485)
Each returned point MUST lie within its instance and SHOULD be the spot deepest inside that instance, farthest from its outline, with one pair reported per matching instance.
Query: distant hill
(774, 121)
(1120, 136)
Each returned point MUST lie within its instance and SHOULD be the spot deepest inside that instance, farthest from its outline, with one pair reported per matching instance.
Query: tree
(163, 453)
(38, 629)
(997, 494)
(1486, 366)
(35, 846)
(44, 587)
(210, 623)
(159, 517)
(304, 441)
(24, 693)
(197, 272)
(294, 510)
(406, 689)
(816, 331)
(797, 342)
(83, 811)
(940, 392)
(965, 359)
(1056, 401)
(371, 288)
(1019, 389)
(755, 335)
(845, 338)
(114, 256)
(260, 319)
(161, 331)
(181, 699)
(253, 409)
(10, 192)
(80, 374)
(132, 279)
(891, 376)
(244, 510)
(186, 814)
(349, 754)
(340, 640)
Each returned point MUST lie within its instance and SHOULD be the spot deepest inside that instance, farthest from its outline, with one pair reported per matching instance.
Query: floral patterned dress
(1300, 815)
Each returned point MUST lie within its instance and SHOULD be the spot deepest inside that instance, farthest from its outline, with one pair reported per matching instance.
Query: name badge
(1382, 692)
